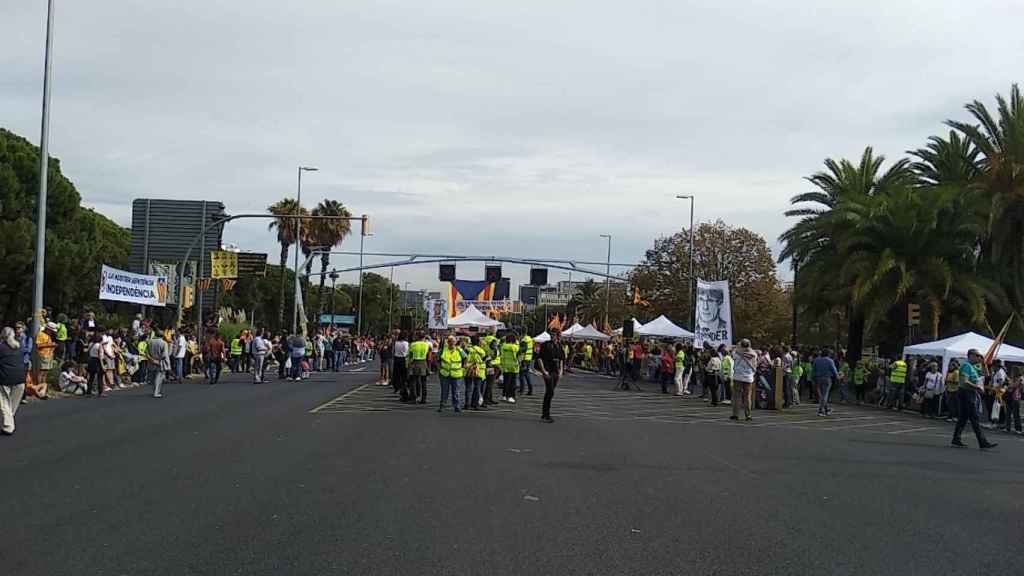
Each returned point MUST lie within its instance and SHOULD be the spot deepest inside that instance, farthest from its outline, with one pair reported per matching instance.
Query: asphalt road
(244, 479)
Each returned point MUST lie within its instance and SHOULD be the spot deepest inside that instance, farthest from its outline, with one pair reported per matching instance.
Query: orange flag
(555, 323)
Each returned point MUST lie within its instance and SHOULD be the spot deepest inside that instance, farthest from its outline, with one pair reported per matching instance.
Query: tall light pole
(334, 292)
(44, 158)
(608, 276)
(689, 292)
(298, 242)
(405, 300)
(391, 296)
(362, 237)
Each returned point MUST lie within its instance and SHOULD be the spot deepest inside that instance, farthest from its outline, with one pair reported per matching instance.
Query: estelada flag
(555, 323)
(993, 350)
(637, 300)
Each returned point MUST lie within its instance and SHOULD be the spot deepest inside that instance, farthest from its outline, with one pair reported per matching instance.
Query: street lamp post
(334, 292)
(298, 241)
(362, 237)
(608, 276)
(44, 159)
(391, 296)
(689, 293)
(405, 300)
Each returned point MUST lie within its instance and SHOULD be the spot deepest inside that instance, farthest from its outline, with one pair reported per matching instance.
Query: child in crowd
(70, 382)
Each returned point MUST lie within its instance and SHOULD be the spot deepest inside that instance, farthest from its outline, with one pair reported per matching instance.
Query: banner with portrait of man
(713, 313)
(437, 314)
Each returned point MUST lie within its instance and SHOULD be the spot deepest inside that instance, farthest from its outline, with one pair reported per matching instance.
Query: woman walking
(12, 379)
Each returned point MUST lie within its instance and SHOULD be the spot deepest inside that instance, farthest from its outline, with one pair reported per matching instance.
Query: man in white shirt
(180, 347)
(260, 349)
(399, 370)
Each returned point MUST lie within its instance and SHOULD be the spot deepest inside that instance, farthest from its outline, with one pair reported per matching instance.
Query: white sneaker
(504, 398)
(511, 400)
(727, 402)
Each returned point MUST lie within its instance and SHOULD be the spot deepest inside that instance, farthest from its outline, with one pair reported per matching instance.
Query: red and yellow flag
(993, 350)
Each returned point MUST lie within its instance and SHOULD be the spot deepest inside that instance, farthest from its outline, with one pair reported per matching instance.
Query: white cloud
(541, 124)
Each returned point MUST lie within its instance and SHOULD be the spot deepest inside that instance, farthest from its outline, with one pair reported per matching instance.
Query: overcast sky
(521, 128)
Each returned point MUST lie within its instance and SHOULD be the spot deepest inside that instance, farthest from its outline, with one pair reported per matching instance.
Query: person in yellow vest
(236, 354)
(493, 370)
(451, 371)
(509, 354)
(588, 356)
(897, 383)
(419, 349)
(727, 369)
(64, 344)
(680, 367)
(525, 360)
(476, 372)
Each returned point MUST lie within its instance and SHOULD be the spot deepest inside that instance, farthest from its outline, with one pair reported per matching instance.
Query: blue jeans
(213, 369)
(179, 368)
(524, 377)
(339, 359)
(824, 386)
(452, 384)
(472, 392)
(296, 371)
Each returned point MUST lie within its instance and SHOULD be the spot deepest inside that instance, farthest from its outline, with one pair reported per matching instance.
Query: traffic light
(538, 276)
(913, 315)
(446, 273)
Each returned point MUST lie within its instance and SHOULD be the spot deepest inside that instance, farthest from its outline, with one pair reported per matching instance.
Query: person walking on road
(260, 348)
(297, 349)
(451, 373)
(824, 375)
(159, 358)
(213, 352)
(476, 372)
(419, 350)
(12, 379)
(712, 372)
(552, 360)
(971, 389)
(680, 367)
(510, 367)
(744, 370)
(525, 361)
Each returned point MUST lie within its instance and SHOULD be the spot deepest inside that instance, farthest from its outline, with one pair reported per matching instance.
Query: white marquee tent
(472, 317)
(542, 337)
(589, 333)
(572, 329)
(957, 347)
(662, 327)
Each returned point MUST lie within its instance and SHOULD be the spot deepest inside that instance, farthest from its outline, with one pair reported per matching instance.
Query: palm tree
(285, 236)
(329, 233)
(587, 301)
(813, 243)
(1000, 143)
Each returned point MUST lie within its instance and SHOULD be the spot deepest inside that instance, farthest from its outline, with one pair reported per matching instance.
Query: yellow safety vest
(899, 372)
(510, 358)
(528, 353)
(236, 347)
(477, 360)
(451, 363)
(419, 350)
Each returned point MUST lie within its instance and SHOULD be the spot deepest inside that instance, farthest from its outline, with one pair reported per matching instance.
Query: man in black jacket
(552, 360)
(12, 379)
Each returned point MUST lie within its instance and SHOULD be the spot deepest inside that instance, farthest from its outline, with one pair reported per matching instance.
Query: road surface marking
(338, 399)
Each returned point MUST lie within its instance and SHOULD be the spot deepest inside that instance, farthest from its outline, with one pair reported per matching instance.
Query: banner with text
(437, 314)
(131, 287)
(713, 314)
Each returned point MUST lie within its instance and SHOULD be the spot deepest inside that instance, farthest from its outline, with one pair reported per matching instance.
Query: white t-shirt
(999, 378)
(180, 346)
(108, 346)
(933, 382)
(401, 349)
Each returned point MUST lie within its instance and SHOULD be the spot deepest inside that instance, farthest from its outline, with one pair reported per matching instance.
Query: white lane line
(821, 419)
(911, 430)
(338, 399)
(889, 423)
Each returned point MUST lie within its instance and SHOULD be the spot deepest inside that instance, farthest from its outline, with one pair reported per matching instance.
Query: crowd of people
(473, 370)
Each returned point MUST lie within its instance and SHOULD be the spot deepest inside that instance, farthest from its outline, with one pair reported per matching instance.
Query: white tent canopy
(572, 329)
(472, 317)
(636, 328)
(957, 347)
(589, 333)
(542, 337)
(662, 327)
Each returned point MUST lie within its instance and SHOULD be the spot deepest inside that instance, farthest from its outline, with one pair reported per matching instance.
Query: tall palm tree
(286, 230)
(329, 233)
(813, 243)
(1000, 142)
(587, 301)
